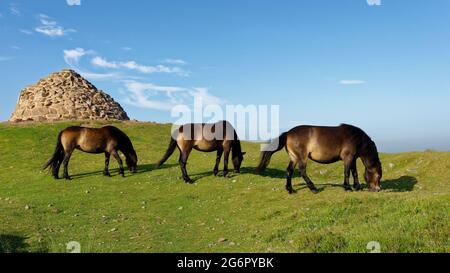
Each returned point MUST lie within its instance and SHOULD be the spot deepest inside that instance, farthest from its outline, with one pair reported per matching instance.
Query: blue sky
(384, 67)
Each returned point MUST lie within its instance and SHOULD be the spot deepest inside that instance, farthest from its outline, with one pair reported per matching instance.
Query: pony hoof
(358, 188)
(190, 182)
(348, 190)
(291, 191)
(68, 178)
(315, 191)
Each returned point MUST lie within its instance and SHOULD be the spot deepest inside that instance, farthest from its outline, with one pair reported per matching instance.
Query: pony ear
(244, 153)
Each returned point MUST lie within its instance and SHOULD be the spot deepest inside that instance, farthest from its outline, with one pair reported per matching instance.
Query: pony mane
(124, 141)
(369, 149)
(236, 149)
(367, 146)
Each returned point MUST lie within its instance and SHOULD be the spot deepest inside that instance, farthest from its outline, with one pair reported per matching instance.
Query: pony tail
(56, 159)
(274, 146)
(169, 152)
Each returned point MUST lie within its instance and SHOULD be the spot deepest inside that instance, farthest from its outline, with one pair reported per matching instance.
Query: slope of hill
(154, 211)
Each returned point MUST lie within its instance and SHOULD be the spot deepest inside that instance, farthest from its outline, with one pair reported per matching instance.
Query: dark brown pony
(327, 145)
(108, 140)
(220, 137)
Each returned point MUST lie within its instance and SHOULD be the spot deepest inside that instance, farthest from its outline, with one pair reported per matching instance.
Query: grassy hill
(154, 211)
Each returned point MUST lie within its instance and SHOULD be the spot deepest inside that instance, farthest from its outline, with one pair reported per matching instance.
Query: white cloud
(374, 2)
(152, 69)
(138, 93)
(25, 31)
(175, 61)
(72, 56)
(51, 28)
(352, 82)
(16, 47)
(139, 86)
(150, 96)
(73, 2)
(99, 61)
(203, 94)
(96, 76)
(126, 48)
(164, 98)
(132, 65)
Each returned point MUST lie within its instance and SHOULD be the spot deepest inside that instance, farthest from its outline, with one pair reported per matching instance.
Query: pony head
(373, 175)
(132, 160)
(237, 161)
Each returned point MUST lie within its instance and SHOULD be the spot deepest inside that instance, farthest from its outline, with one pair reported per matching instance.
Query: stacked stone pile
(64, 96)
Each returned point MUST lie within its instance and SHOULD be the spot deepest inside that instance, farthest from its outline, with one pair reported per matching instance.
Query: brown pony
(327, 145)
(108, 140)
(220, 137)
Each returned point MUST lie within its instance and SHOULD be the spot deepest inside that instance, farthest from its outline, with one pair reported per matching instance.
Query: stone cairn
(65, 96)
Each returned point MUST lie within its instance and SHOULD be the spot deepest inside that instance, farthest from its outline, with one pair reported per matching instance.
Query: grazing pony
(108, 140)
(220, 137)
(327, 145)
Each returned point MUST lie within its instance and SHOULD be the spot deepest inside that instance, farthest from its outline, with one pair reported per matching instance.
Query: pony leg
(289, 173)
(225, 162)
(347, 169)
(356, 185)
(56, 169)
(219, 156)
(107, 158)
(119, 160)
(184, 155)
(309, 183)
(66, 160)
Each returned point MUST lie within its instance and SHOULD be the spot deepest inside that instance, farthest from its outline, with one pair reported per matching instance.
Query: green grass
(154, 211)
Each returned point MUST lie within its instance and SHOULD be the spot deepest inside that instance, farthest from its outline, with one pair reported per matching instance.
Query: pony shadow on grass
(115, 172)
(272, 173)
(280, 174)
(231, 174)
(152, 167)
(196, 177)
(13, 244)
(402, 184)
